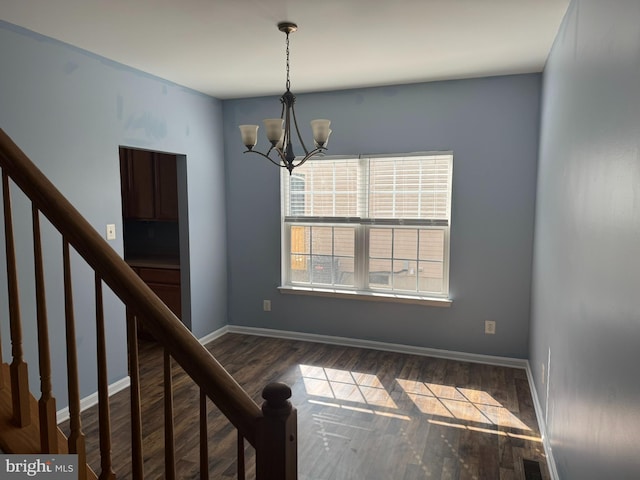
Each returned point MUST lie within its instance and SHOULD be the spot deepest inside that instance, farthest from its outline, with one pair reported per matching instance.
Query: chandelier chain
(288, 81)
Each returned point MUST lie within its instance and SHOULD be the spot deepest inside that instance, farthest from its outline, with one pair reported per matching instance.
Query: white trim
(214, 335)
(553, 469)
(62, 415)
(366, 296)
(383, 346)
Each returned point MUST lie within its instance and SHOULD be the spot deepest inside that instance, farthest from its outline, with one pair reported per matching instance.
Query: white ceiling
(232, 48)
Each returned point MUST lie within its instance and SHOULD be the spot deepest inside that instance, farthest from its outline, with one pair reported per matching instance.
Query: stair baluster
(47, 402)
(137, 465)
(204, 443)
(76, 440)
(169, 446)
(241, 471)
(104, 414)
(18, 370)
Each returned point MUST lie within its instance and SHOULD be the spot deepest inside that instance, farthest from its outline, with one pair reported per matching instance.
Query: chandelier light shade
(279, 130)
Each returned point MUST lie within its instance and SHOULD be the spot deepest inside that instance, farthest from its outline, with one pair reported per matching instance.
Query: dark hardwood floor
(362, 414)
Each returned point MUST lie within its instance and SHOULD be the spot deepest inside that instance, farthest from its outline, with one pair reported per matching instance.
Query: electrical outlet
(489, 327)
(266, 305)
(111, 231)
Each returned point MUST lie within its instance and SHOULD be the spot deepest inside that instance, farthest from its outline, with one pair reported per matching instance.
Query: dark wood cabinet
(149, 185)
(166, 187)
(165, 283)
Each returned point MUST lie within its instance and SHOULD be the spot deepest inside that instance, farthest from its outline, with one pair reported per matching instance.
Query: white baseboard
(553, 470)
(384, 346)
(91, 400)
(213, 335)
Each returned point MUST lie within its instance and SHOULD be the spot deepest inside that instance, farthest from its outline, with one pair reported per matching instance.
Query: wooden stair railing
(271, 430)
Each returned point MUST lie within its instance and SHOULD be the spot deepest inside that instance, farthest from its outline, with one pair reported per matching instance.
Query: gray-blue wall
(490, 124)
(586, 306)
(69, 111)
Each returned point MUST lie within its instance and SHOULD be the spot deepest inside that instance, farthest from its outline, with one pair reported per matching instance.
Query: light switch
(111, 231)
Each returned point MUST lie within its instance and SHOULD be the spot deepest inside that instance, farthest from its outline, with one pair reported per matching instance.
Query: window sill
(367, 296)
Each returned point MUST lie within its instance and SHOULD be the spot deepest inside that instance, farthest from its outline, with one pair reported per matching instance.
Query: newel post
(277, 452)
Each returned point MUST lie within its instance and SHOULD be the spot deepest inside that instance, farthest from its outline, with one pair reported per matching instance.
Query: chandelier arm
(295, 122)
(278, 164)
(269, 151)
(312, 153)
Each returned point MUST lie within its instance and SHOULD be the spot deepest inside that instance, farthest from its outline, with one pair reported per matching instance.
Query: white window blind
(327, 188)
(414, 187)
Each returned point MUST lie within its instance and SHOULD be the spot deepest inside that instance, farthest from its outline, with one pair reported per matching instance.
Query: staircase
(28, 426)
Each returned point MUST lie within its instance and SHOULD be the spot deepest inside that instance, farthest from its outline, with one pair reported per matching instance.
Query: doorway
(155, 225)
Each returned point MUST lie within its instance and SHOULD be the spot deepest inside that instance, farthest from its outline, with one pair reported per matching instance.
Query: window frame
(362, 227)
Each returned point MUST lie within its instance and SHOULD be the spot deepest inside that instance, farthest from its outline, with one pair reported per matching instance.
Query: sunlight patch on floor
(345, 385)
(461, 403)
(465, 404)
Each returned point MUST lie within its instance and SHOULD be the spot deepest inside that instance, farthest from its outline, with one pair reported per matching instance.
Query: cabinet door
(139, 181)
(165, 283)
(166, 187)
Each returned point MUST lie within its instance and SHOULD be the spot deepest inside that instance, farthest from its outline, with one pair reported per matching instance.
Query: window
(375, 224)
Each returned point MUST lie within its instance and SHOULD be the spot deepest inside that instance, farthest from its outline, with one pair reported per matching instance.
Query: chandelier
(278, 130)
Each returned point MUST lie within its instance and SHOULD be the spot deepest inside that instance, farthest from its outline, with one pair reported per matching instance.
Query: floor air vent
(532, 469)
